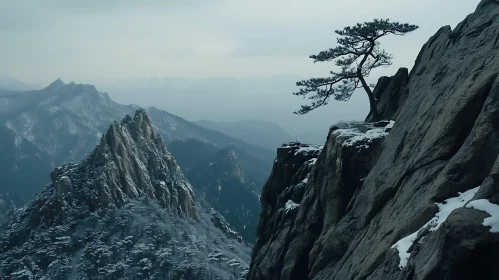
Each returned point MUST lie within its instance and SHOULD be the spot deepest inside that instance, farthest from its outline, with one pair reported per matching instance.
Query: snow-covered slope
(126, 211)
(64, 121)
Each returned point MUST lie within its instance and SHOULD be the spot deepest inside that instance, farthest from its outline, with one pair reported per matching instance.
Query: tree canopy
(357, 54)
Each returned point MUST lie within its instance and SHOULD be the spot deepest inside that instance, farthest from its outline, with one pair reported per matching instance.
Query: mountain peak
(140, 127)
(55, 85)
(142, 117)
(130, 162)
(59, 85)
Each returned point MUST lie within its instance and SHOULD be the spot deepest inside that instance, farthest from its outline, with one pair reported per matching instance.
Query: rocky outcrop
(308, 192)
(220, 223)
(131, 161)
(125, 212)
(407, 219)
(390, 94)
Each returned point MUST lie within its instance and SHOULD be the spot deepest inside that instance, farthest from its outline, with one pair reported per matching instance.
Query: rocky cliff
(126, 211)
(416, 201)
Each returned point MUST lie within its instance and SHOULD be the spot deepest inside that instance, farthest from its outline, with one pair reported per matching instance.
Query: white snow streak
(404, 244)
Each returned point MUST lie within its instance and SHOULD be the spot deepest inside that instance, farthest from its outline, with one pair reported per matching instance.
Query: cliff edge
(416, 201)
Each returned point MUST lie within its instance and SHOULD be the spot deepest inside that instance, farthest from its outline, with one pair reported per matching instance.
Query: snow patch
(449, 205)
(390, 125)
(347, 132)
(290, 205)
(303, 148)
(355, 137)
(367, 138)
(308, 149)
(491, 209)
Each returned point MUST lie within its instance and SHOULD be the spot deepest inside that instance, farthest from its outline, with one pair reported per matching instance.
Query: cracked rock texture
(360, 200)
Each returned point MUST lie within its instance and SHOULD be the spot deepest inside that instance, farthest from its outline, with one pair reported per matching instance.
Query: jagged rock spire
(130, 162)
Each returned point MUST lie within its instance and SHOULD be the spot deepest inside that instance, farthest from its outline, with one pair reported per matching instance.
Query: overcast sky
(111, 43)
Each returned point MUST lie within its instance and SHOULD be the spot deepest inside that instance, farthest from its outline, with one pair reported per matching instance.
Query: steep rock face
(391, 93)
(307, 193)
(131, 161)
(126, 211)
(398, 225)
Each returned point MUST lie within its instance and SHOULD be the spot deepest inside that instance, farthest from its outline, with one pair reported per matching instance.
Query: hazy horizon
(177, 55)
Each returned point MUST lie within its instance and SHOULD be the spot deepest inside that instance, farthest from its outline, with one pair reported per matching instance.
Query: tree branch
(357, 54)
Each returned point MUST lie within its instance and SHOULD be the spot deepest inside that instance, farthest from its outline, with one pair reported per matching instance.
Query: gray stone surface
(287, 240)
(391, 93)
(445, 140)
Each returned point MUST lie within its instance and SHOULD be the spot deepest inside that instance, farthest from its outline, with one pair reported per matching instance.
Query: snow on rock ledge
(362, 135)
(304, 149)
(308, 191)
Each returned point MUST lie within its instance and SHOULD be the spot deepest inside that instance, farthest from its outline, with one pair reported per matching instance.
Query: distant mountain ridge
(177, 128)
(257, 132)
(62, 122)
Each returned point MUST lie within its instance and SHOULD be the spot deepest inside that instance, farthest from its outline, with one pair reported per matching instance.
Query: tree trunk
(372, 101)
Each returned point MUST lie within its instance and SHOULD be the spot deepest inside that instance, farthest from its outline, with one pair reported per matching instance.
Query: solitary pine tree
(358, 54)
